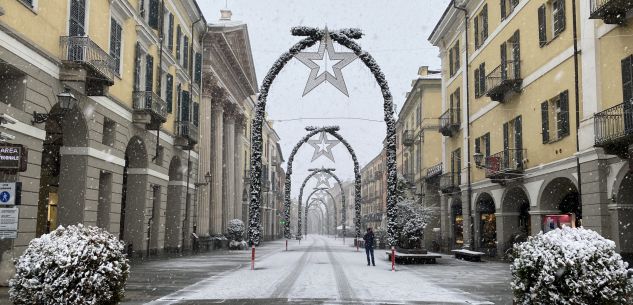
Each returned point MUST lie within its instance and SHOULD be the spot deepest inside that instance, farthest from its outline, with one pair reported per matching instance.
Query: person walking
(369, 245)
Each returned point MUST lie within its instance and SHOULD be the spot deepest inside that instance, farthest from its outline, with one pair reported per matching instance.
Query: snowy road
(322, 270)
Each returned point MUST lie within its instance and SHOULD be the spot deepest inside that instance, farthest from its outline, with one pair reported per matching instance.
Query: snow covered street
(323, 270)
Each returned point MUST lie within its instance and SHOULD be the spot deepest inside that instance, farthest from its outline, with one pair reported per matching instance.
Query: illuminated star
(323, 147)
(320, 72)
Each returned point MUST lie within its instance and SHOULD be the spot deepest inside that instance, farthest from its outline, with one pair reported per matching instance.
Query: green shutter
(484, 15)
(482, 78)
(627, 80)
(516, 39)
(456, 53)
(137, 67)
(153, 14)
(185, 53)
(478, 145)
(169, 93)
(503, 50)
(198, 77)
(476, 29)
(487, 138)
(196, 109)
(450, 62)
(503, 9)
(518, 142)
(560, 17)
(149, 73)
(178, 39)
(545, 121)
(564, 114)
(170, 33)
(477, 82)
(542, 27)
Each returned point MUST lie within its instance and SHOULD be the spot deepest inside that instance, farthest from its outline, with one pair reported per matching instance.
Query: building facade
(348, 212)
(373, 193)
(419, 147)
(106, 101)
(534, 138)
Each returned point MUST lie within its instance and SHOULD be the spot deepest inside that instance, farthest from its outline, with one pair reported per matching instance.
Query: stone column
(228, 204)
(445, 222)
(468, 225)
(217, 124)
(240, 125)
(204, 191)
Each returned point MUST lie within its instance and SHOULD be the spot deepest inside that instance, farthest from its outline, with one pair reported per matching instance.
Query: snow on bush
(235, 230)
(570, 266)
(411, 219)
(71, 265)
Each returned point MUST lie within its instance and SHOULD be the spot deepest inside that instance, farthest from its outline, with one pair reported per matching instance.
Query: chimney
(225, 15)
(423, 71)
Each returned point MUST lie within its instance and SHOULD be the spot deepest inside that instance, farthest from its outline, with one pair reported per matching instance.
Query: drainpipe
(577, 101)
(468, 165)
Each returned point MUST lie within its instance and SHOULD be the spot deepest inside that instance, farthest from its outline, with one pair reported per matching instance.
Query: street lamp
(66, 101)
(207, 180)
(478, 158)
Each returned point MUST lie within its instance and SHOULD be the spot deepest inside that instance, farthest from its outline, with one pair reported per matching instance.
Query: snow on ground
(320, 268)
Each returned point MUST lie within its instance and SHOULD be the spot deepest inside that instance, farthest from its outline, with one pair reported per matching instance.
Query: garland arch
(303, 185)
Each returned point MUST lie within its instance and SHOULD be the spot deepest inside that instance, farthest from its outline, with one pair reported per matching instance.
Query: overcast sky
(396, 33)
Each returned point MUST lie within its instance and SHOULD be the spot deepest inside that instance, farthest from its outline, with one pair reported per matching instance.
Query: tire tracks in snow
(284, 287)
(342, 283)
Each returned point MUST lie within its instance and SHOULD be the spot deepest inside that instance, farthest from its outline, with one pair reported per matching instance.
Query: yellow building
(419, 150)
(373, 193)
(509, 90)
(105, 95)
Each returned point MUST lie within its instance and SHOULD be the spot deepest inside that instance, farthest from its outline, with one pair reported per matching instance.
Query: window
(77, 20)
(13, 85)
(513, 143)
(456, 166)
(198, 70)
(455, 104)
(170, 33)
(511, 57)
(137, 67)
(169, 92)
(185, 115)
(481, 27)
(109, 132)
(551, 21)
(152, 18)
(178, 38)
(149, 73)
(482, 145)
(453, 57)
(196, 113)
(507, 7)
(480, 80)
(627, 80)
(555, 112)
(105, 195)
(115, 44)
(185, 52)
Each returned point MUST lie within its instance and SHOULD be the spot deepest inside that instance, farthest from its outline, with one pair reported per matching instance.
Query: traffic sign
(10, 193)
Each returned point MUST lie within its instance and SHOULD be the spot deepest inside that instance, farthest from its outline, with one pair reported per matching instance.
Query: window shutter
(477, 145)
(476, 29)
(484, 31)
(560, 17)
(169, 93)
(170, 38)
(115, 44)
(184, 107)
(545, 121)
(506, 144)
(149, 73)
(77, 21)
(153, 14)
(503, 9)
(477, 82)
(518, 142)
(627, 80)
(457, 105)
(185, 53)
(517, 55)
(142, 8)
(178, 99)
(178, 38)
(456, 53)
(542, 29)
(482, 78)
(450, 61)
(137, 67)
(196, 109)
(564, 113)
(487, 137)
(198, 70)
(504, 60)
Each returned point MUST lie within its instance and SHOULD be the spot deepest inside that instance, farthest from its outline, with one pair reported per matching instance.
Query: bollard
(393, 258)
(286, 245)
(253, 257)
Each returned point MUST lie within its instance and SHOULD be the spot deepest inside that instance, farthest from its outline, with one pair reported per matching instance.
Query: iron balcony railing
(449, 122)
(449, 182)
(434, 171)
(505, 164)
(504, 78)
(610, 11)
(407, 137)
(409, 177)
(150, 102)
(614, 126)
(188, 130)
(82, 50)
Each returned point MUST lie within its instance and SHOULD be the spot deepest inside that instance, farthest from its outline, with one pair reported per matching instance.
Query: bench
(414, 258)
(468, 255)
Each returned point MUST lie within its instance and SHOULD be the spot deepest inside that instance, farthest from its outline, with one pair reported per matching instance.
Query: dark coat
(369, 239)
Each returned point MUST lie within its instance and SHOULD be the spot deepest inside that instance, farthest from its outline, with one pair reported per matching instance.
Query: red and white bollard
(253, 257)
(393, 258)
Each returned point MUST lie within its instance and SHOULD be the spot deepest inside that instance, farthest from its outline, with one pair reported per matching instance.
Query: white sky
(396, 35)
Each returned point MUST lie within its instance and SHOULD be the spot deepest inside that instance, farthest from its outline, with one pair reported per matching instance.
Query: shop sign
(13, 157)
(10, 193)
(9, 220)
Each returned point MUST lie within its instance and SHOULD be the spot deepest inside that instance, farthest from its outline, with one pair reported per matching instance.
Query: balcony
(84, 61)
(377, 175)
(610, 11)
(247, 176)
(503, 79)
(409, 178)
(505, 165)
(449, 182)
(407, 137)
(187, 134)
(149, 109)
(613, 129)
(433, 171)
(450, 122)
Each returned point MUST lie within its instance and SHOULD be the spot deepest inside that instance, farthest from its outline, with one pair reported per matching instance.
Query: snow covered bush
(235, 230)
(571, 266)
(71, 265)
(411, 219)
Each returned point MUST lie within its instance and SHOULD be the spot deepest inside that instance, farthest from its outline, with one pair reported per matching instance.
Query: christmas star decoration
(323, 179)
(323, 147)
(326, 58)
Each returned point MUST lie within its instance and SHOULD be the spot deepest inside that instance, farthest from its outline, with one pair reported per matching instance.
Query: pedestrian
(369, 245)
